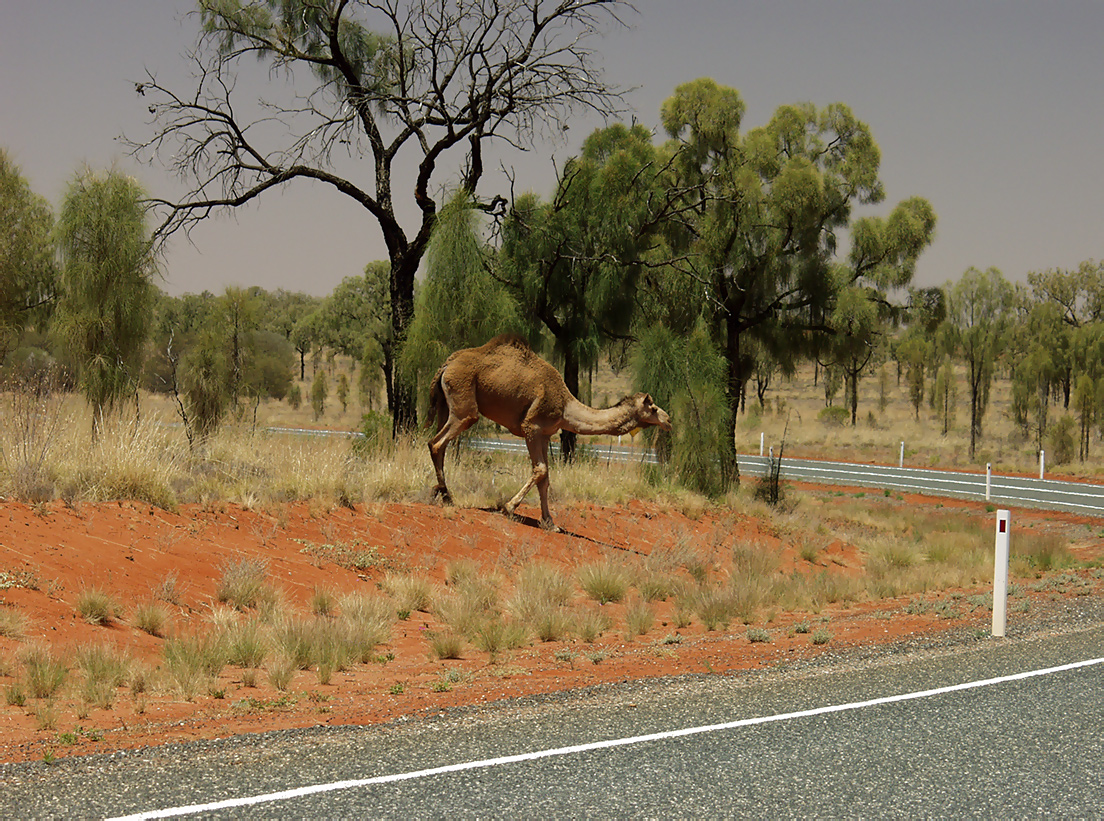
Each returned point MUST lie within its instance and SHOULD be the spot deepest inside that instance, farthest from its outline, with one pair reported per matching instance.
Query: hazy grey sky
(994, 111)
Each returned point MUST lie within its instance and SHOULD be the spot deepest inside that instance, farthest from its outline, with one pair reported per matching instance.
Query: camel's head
(649, 413)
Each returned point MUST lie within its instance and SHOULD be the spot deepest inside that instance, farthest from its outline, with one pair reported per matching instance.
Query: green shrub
(552, 623)
(1061, 448)
(714, 608)
(834, 417)
(376, 428)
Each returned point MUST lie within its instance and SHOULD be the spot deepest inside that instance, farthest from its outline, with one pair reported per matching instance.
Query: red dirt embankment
(50, 553)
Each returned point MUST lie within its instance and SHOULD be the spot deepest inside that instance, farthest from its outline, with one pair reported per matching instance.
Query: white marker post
(762, 440)
(901, 464)
(988, 479)
(1042, 462)
(1000, 575)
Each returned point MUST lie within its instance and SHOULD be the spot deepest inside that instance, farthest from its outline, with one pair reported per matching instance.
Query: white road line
(597, 745)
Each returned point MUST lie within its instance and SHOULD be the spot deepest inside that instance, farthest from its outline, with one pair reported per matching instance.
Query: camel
(512, 386)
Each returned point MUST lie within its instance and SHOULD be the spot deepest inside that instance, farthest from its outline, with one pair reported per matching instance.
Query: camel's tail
(438, 406)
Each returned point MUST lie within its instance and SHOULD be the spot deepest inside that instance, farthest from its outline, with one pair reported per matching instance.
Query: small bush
(1034, 553)
(365, 621)
(15, 695)
(657, 586)
(461, 614)
(1061, 448)
(834, 417)
(295, 639)
(376, 428)
(461, 571)
(683, 614)
(544, 581)
(757, 635)
(169, 590)
(714, 608)
(194, 660)
(105, 669)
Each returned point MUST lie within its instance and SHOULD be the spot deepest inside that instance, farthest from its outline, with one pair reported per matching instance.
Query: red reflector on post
(1003, 524)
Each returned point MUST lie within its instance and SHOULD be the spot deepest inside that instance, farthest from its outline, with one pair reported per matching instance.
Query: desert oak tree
(393, 84)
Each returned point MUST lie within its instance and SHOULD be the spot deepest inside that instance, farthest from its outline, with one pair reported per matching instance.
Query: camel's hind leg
(460, 418)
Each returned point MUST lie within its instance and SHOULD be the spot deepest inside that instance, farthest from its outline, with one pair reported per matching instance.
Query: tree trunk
(975, 421)
(389, 375)
(402, 397)
(568, 439)
(853, 378)
(734, 388)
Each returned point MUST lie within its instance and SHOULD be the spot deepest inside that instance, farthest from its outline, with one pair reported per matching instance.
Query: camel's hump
(507, 341)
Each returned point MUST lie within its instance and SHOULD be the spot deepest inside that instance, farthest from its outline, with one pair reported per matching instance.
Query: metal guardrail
(615, 453)
(1076, 497)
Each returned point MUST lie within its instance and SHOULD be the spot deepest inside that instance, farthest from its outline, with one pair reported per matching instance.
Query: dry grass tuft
(96, 606)
(445, 644)
(244, 585)
(639, 618)
(104, 669)
(151, 617)
(604, 581)
(13, 624)
(410, 592)
(44, 672)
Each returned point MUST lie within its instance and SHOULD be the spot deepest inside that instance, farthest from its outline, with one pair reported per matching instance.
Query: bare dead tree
(425, 79)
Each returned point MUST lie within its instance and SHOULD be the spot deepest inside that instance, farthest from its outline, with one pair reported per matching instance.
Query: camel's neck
(590, 421)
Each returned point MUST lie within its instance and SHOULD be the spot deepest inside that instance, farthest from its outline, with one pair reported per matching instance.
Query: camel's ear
(648, 399)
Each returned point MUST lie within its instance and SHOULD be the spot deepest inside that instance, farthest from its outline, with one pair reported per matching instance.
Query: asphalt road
(1017, 748)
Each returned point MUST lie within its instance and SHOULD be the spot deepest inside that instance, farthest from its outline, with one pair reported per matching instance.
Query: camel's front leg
(537, 444)
(542, 488)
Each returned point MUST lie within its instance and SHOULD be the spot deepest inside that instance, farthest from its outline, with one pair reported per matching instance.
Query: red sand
(129, 549)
